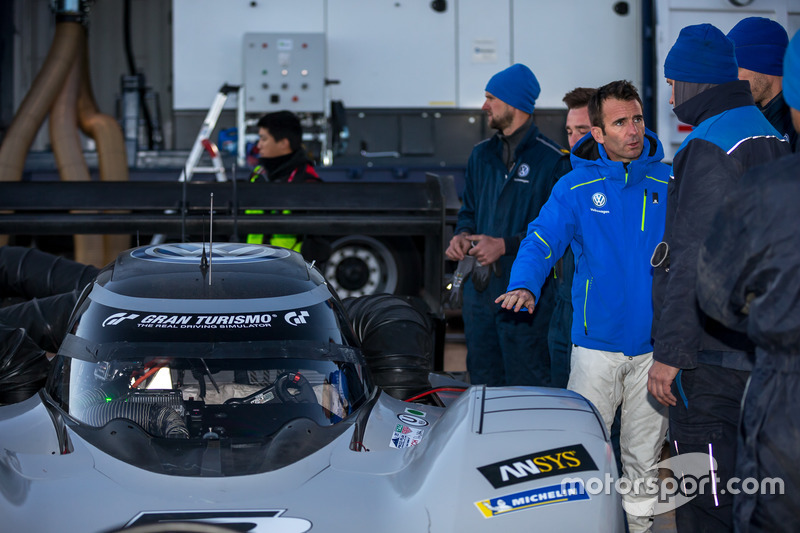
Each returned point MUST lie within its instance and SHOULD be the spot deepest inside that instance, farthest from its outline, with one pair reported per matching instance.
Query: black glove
(463, 270)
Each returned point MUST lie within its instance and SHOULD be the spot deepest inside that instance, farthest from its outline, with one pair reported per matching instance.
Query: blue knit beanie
(516, 86)
(760, 45)
(702, 54)
(791, 73)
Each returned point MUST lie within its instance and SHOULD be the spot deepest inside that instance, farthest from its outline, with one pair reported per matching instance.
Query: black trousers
(706, 421)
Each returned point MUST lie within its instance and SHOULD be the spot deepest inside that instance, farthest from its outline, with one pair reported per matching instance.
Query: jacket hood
(714, 101)
(588, 152)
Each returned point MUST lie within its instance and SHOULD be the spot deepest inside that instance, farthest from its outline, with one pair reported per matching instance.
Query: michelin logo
(295, 319)
(531, 498)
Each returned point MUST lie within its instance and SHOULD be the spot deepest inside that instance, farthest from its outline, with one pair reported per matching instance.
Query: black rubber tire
(360, 265)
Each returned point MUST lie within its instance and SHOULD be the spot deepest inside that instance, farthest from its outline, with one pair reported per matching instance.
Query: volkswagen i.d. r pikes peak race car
(225, 387)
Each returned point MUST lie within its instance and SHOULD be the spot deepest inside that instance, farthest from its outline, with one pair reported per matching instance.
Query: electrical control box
(284, 71)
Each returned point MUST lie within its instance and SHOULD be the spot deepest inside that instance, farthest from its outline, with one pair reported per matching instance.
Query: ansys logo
(599, 199)
(558, 461)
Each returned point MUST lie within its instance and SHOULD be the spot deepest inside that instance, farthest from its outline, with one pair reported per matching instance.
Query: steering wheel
(293, 387)
(289, 387)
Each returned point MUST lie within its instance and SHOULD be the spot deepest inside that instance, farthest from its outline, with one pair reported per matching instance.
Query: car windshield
(208, 394)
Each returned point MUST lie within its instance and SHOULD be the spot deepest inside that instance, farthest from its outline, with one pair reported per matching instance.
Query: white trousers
(611, 379)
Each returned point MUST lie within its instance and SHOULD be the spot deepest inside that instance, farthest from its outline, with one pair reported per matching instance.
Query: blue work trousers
(503, 347)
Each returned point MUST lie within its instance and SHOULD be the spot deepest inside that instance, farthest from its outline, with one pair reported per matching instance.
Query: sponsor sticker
(294, 318)
(405, 436)
(529, 499)
(412, 420)
(555, 462)
(163, 321)
(416, 412)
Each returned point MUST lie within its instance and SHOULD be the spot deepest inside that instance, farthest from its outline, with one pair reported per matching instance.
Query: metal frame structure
(183, 208)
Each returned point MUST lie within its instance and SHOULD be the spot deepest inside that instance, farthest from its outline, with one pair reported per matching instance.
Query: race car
(223, 386)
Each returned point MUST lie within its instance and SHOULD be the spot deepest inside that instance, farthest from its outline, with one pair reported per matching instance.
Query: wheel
(361, 265)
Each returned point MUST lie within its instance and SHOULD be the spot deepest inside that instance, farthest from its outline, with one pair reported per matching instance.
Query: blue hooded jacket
(613, 218)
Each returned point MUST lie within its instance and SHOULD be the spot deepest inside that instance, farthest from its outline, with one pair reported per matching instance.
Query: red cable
(433, 391)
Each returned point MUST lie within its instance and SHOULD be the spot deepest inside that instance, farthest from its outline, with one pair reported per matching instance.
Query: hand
(517, 299)
(459, 246)
(486, 249)
(659, 383)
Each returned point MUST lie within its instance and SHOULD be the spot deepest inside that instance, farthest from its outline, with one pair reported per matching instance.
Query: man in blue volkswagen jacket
(610, 209)
(508, 179)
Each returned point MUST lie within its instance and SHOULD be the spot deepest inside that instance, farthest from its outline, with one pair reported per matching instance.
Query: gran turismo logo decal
(599, 199)
(555, 462)
(192, 253)
(244, 521)
(116, 318)
(295, 319)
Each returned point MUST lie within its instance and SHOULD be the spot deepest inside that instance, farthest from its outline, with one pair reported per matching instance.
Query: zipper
(585, 301)
(644, 207)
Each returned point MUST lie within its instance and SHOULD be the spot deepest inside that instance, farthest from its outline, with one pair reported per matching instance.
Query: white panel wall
(577, 43)
(484, 46)
(389, 53)
(207, 41)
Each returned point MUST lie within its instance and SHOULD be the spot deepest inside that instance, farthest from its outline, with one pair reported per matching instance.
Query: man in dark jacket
(283, 159)
(748, 280)
(711, 362)
(508, 179)
(760, 46)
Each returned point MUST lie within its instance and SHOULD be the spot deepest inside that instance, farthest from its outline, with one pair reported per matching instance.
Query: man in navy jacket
(747, 279)
(508, 179)
(695, 357)
(610, 209)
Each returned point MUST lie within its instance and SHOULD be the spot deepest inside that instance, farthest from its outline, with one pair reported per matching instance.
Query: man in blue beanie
(508, 179)
(701, 367)
(747, 280)
(760, 46)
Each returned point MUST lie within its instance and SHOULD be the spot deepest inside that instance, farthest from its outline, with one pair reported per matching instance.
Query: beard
(501, 122)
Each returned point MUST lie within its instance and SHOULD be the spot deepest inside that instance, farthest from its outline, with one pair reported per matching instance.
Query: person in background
(508, 179)
(558, 339)
(577, 124)
(747, 279)
(283, 159)
(695, 357)
(760, 46)
(610, 209)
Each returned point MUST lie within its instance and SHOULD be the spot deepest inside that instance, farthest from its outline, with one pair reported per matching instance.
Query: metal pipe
(112, 158)
(104, 129)
(37, 102)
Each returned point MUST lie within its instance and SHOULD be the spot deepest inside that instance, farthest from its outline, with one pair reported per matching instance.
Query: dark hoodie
(730, 136)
